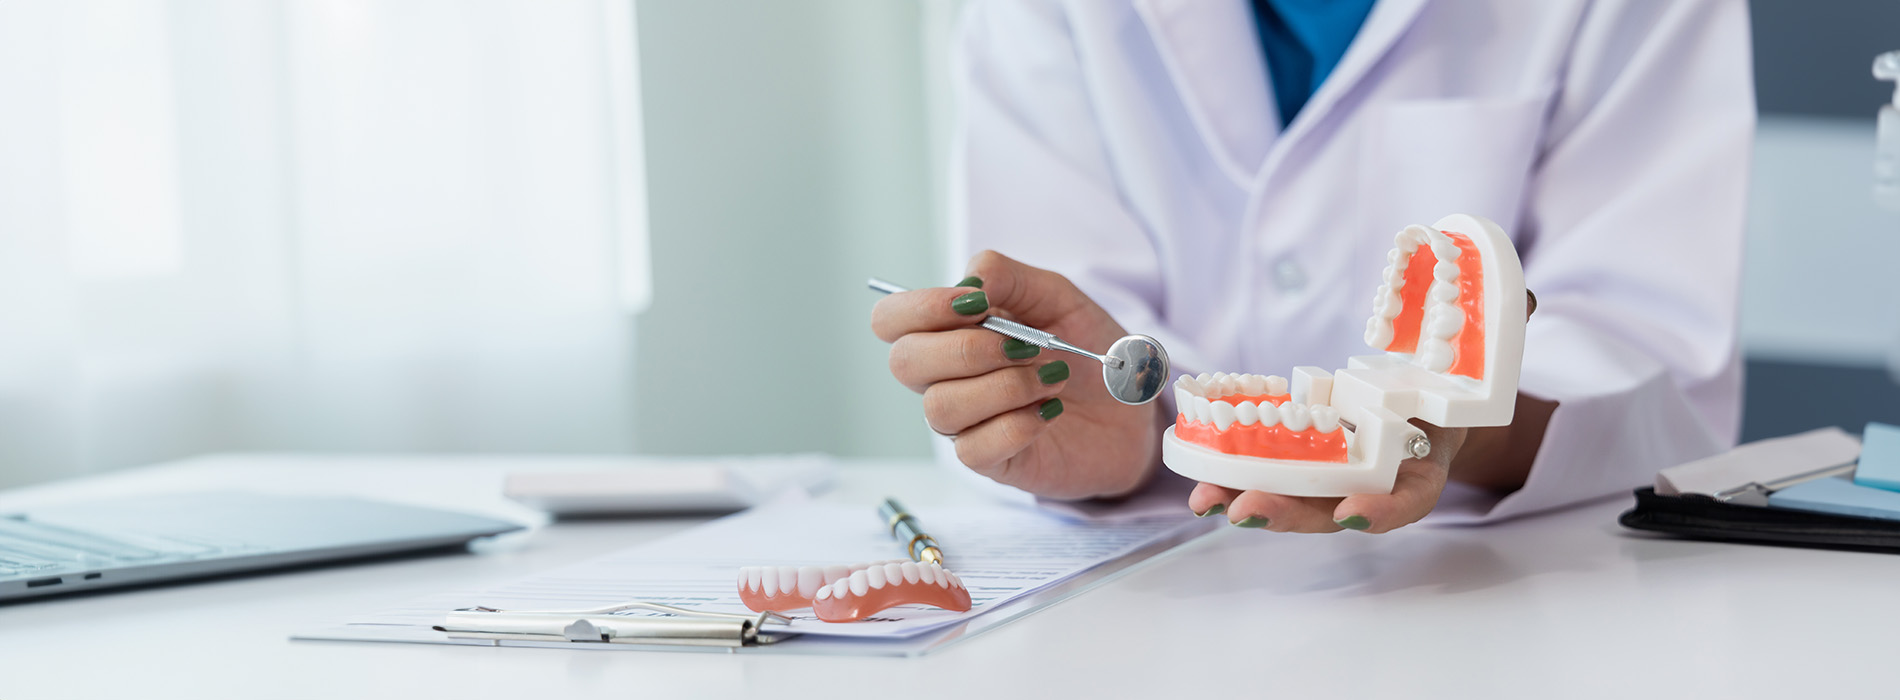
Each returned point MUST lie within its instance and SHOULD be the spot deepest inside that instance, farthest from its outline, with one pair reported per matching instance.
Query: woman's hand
(1015, 416)
(1414, 493)
(1498, 458)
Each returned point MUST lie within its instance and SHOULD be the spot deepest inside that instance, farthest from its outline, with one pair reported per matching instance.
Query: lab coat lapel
(1383, 28)
(1212, 54)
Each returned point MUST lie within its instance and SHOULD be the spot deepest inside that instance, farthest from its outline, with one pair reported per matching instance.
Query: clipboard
(559, 629)
(680, 626)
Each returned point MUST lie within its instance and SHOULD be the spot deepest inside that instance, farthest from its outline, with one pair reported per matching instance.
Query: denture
(788, 588)
(876, 588)
(850, 593)
(1449, 319)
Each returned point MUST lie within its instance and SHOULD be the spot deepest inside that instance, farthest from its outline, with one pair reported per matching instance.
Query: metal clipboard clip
(601, 626)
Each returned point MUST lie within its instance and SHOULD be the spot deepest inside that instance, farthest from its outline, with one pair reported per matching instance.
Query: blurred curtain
(338, 225)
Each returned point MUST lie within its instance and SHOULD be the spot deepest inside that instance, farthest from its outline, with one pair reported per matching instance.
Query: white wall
(789, 158)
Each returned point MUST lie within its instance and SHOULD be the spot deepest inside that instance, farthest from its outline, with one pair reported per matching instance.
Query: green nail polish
(1018, 350)
(971, 304)
(1216, 509)
(1252, 521)
(971, 281)
(1354, 522)
(1050, 409)
(1053, 372)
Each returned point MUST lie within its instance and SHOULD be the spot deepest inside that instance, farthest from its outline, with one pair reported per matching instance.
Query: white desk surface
(1567, 605)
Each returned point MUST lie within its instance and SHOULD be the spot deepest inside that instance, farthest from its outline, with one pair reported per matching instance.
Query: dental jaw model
(1449, 319)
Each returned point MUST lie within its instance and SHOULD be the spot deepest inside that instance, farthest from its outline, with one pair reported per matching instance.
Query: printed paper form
(1000, 552)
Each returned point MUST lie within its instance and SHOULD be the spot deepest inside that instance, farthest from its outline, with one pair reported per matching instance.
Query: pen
(904, 527)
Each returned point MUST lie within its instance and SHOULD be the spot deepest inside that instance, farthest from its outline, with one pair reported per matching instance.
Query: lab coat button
(1289, 276)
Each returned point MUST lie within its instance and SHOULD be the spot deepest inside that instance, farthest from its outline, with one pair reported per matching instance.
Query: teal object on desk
(1879, 457)
(1840, 497)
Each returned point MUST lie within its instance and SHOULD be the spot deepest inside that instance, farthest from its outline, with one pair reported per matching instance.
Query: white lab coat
(1134, 146)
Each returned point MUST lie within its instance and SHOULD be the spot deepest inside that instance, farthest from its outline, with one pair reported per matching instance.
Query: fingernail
(971, 304)
(1354, 522)
(971, 281)
(1212, 510)
(1252, 521)
(1050, 409)
(1053, 372)
(1018, 350)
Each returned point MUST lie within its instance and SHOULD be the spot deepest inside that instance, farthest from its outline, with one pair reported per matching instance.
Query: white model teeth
(1443, 320)
(1325, 418)
(1247, 413)
(1269, 415)
(1223, 414)
(1295, 417)
(1309, 408)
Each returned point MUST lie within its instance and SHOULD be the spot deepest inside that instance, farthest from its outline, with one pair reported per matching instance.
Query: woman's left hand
(1414, 493)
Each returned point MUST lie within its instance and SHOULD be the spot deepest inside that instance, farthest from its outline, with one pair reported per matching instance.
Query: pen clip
(1755, 493)
(684, 626)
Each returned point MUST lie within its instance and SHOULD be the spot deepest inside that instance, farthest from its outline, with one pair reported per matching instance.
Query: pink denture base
(1270, 442)
(852, 600)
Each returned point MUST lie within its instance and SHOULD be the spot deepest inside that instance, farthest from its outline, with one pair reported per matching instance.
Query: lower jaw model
(1449, 319)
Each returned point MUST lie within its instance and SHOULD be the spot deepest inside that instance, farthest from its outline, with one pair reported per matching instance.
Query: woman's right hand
(1010, 407)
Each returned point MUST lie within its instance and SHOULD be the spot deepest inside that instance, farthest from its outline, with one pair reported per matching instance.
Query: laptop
(113, 543)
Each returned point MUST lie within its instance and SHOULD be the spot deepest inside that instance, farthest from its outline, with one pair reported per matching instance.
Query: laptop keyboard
(30, 548)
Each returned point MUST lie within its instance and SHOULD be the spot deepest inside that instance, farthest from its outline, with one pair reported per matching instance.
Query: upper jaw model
(1449, 319)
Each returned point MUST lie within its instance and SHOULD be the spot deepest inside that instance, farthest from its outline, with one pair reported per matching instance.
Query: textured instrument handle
(1041, 339)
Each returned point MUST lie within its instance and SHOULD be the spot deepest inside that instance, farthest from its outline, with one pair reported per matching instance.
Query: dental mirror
(1134, 369)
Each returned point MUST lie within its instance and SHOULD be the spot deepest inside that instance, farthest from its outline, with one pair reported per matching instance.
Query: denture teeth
(874, 576)
(1443, 247)
(1253, 385)
(1378, 332)
(1247, 413)
(894, 572)
(1181, 400)
(1445, 271)
(1188, 384)
(810, 579)
(1294, 416)
(1204, 378)
(1223, 414)
(859, 582)
(1276, 385)
(769, 582)
(1445, 321)
(940, 575)
(1435, 354)
(787, 579)
(1325, 418)
(1444, 292)
(1269, 415)
(909, 569)
(1203, 410)
(1410, 237)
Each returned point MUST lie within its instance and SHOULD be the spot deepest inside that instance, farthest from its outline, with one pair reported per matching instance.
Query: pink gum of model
(1449, 319)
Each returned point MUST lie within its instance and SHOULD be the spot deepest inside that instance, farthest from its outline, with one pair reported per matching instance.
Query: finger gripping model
(1449, 319)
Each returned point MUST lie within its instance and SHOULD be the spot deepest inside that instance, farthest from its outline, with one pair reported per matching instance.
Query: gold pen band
(895, 519)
